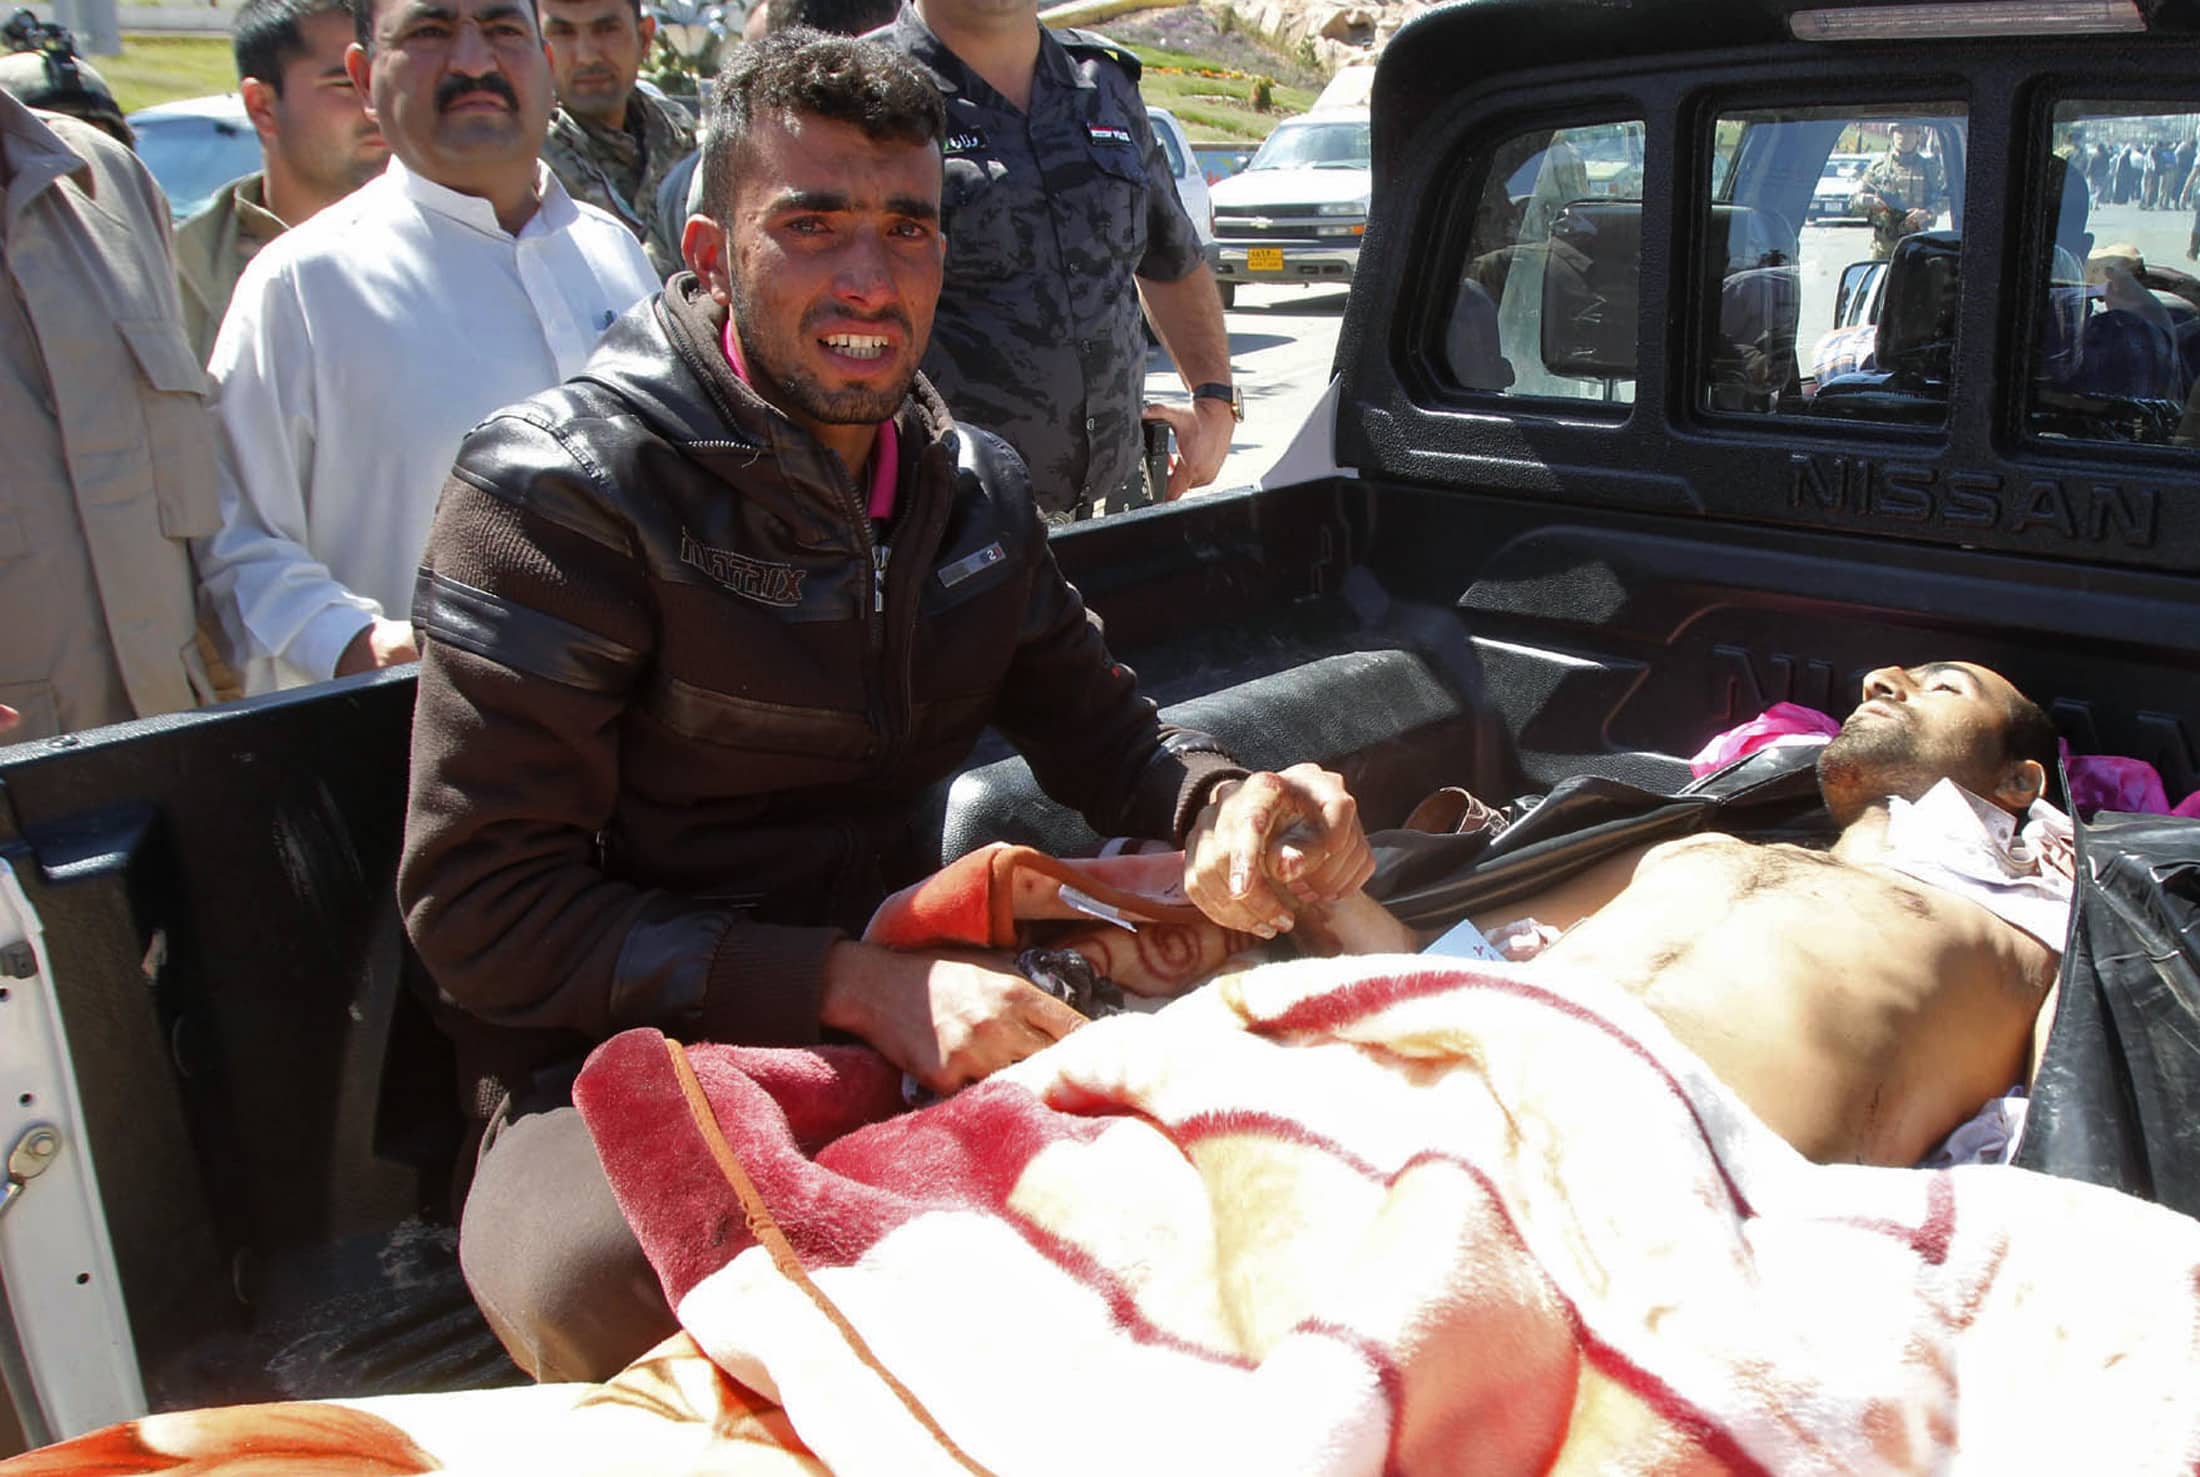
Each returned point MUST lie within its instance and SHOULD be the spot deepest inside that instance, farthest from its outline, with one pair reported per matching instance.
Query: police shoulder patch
(1093, 44)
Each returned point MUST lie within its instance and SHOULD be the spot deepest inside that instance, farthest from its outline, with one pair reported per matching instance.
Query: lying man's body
(1860, 1012)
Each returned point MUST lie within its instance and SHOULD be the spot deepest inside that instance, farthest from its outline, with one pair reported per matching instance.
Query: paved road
(1281, 342)
(2160, 235)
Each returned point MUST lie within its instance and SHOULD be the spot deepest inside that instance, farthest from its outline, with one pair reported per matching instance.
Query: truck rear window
(1829, 253)
(1547, 301)
(2117, 342)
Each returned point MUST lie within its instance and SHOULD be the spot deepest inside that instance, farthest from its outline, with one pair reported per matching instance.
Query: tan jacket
(211, 250)
(109, 460)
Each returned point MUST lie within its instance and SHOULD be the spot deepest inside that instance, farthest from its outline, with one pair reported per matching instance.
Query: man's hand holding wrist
(1267, 843)
(948, 1018)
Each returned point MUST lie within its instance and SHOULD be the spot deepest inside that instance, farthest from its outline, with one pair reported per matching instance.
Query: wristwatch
(1229, 395)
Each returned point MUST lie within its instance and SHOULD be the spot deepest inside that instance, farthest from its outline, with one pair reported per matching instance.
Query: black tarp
(2116, 1100)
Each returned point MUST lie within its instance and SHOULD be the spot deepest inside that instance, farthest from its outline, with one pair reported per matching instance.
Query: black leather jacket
(671, 731)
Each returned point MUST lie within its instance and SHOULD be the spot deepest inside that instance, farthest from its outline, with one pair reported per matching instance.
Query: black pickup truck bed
(1441, 585)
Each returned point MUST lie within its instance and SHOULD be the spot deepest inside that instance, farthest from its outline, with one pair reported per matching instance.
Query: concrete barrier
(210, 20)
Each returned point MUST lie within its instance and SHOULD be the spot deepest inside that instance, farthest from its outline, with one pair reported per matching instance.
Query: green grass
(160, 69)
(1214, 110)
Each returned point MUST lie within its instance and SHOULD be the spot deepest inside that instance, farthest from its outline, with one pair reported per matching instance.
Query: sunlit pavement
(1282, 340)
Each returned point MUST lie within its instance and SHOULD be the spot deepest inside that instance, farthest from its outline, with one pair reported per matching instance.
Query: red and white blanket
(1383, 1215)
(1374, 1215)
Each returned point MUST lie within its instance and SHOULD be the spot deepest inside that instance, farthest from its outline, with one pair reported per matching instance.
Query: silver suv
(1297, 212)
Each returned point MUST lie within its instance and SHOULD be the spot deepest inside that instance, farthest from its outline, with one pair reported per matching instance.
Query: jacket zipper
(874, 621)
(879, 690)
(919, 545)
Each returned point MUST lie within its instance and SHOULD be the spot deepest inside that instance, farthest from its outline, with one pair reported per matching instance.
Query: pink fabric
(1779, 725)
(2111, 782)
(885, 456)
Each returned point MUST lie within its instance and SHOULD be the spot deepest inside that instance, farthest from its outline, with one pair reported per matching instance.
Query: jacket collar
(248, 205)
(652, 125)
(662, 358)
(37, 157)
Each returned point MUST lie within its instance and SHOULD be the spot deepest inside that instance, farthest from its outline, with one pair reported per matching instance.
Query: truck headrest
(1917, 317)
(1591, 280)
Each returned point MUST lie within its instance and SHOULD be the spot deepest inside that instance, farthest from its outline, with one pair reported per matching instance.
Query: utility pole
(97, 30)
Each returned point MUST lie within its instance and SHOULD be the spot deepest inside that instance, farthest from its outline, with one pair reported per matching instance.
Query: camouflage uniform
(1904, 186)
(1048, 215)
(618, 170)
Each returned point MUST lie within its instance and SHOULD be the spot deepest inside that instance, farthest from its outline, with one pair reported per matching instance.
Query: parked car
(1836, 185)
(1191, 183)
(196, 146)
(1298, 210)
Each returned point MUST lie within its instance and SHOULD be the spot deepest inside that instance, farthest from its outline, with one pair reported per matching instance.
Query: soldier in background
(42, 70)
(315, 136)
(1903, 191)
(612, 143)
(1061, 217)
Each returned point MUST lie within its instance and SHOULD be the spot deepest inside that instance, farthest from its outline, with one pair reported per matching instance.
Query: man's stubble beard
(357, 169)
(853, 406)
(1871, 762)
(599, 108)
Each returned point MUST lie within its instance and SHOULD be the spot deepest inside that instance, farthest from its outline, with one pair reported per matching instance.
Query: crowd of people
(2154, 174)
(713, 586)
(710, 586)
(457, 202)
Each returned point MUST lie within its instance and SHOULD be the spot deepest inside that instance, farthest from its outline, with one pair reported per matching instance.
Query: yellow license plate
(1263, 258)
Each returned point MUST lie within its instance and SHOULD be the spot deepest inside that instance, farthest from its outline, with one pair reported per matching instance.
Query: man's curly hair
(811, 73)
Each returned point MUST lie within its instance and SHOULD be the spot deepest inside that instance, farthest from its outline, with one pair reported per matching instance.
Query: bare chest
(1718, 917)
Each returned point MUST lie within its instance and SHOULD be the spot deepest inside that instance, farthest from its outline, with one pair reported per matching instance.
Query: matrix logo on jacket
(752, 579)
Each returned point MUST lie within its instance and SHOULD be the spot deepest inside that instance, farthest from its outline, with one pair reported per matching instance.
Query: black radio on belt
(1160, 440)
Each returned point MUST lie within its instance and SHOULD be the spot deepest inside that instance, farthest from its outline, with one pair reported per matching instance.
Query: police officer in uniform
(1061, 214)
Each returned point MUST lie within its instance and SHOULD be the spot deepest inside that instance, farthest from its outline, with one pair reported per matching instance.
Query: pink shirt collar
(885, 455)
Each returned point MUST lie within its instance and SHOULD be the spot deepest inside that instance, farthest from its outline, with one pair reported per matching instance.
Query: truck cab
(1581, 494)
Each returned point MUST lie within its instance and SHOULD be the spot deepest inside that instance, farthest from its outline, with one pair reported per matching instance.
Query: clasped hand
(1272, 843)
